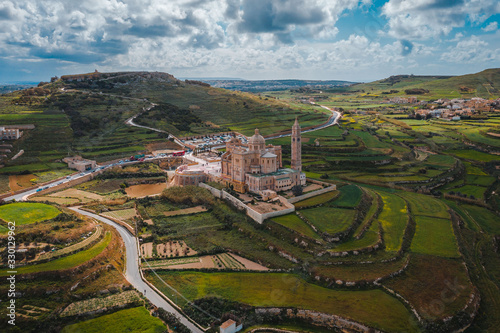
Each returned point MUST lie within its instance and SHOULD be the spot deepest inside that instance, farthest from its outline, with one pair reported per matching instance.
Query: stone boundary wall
(253, 214)
(312, 194)
(318, 319)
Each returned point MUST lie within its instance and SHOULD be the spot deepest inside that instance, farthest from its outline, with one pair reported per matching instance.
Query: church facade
(258, 167)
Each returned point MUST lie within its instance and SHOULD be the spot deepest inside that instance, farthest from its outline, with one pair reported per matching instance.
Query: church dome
(257, 139)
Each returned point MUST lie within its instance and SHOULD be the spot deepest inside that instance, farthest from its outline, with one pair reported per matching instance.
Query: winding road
(132, 271)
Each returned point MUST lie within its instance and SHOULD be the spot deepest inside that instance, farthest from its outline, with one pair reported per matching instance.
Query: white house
(229, 326)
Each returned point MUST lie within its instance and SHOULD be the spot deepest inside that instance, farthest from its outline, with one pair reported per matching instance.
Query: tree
(297, 190)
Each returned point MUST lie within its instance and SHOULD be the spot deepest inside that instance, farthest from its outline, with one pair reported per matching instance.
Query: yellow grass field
(123, 214)
(83, 196)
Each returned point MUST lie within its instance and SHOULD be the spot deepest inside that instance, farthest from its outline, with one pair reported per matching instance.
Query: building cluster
(455, 109)
(252, 166)
(403, 100)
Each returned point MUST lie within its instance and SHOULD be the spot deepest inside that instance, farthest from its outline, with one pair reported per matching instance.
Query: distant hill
(86, 114)
(484, 84)
(7, 88)
(273, 85)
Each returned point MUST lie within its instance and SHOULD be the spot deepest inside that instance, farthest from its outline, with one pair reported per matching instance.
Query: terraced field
(434, 236)
(65, 262)
(328, 219)
(393, 219)
(319, 199)
(293, 222)
(123, 214)
(373, 307)
(130, 320)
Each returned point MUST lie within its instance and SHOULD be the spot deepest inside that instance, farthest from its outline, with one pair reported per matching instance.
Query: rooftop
(227, 323)
(280, 172)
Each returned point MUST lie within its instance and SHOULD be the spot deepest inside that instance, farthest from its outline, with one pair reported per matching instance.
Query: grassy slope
(65, 262)
(483, 84)
(239, 111)
(130, 320)
(373, 307)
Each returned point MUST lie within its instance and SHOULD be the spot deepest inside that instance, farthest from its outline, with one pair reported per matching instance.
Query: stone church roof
(257, 138)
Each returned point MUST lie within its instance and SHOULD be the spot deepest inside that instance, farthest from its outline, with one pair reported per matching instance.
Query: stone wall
(253, 214)
(318, 318)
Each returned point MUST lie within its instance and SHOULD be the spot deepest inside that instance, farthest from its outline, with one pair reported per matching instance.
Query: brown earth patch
(163, 145)
(144, 190)
(18, 182)
(174, 249)
(147, 250)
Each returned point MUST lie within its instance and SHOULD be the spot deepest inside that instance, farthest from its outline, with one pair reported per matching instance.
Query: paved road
(132, 273)
(333, 120)
(130, 122)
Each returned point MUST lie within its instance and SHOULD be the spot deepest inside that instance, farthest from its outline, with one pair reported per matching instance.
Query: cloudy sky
(252, 39)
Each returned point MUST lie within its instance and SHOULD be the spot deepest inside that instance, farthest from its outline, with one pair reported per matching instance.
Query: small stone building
(79, 163)
(230, 326)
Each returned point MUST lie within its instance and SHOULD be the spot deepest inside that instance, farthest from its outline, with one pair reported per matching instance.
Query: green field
(186, 224)
(319, 199)
(350, 195)
(485, 218)
(65, 262)
(293, 222)
(27, 213)
(470, 190)
(330, 220)
(474, 155)
(434, 236)
(426, 205)
(393, 219)
(129, 320)
(373, 307)
(369, 238)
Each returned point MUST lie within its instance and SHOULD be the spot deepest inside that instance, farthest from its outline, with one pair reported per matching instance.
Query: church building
(257, 167)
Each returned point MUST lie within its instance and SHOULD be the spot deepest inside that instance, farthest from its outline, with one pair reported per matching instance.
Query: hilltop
(85, 114)
(484, 84)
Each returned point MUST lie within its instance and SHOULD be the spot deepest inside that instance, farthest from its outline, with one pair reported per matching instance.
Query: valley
(408, 240)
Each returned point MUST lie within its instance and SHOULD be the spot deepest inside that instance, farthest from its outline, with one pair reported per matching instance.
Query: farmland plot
(94, 304)
(83, 196)
(174, 249)
(123, 214)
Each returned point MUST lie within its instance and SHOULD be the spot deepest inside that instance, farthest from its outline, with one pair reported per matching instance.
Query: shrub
(297, 190)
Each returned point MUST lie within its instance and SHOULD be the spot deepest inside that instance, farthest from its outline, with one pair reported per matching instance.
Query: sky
(348, 40)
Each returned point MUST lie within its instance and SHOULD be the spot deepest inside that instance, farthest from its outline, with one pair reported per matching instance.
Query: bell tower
(296, 147)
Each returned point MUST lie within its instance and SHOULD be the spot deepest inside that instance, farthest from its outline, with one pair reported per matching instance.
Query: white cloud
(471, 50)
(425, 19)
(278, 38)
(493, 26)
